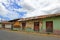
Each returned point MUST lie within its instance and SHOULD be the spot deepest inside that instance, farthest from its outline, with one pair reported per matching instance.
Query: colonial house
(6, 25)
(43, 24)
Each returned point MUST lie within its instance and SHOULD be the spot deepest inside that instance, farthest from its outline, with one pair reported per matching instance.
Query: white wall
(8, 25)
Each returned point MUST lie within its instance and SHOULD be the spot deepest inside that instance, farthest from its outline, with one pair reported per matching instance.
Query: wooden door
(23, 25)
(36, 26)
(49, 26)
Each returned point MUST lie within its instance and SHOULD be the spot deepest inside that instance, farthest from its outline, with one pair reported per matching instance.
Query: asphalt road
(5, 35)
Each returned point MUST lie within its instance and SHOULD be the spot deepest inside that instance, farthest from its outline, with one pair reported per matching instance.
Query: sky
(14, 9)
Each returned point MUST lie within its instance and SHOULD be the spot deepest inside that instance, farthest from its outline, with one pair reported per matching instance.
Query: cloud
(3, 11)
(42, 7)
(34, 13)
(6, 13)
(10, 9)
(13, 9)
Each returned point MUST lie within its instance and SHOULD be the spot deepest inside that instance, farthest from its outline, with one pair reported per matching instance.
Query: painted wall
(30, 25)
(16, 25)
(8, 26)
(56, 24)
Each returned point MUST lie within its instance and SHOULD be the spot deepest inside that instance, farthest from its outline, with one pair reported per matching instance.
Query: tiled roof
(5, 22)
(37, 17)
(40, 17)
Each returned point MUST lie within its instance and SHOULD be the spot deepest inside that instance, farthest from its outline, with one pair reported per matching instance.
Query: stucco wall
(56, 24)
(16, 24)
(8, 26)
(30, 25)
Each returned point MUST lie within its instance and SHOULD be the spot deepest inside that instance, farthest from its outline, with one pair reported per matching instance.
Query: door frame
(36, 24)
(23, 25)
(49, 25)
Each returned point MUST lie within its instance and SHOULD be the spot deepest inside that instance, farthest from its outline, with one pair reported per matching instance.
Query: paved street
(5, 35)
